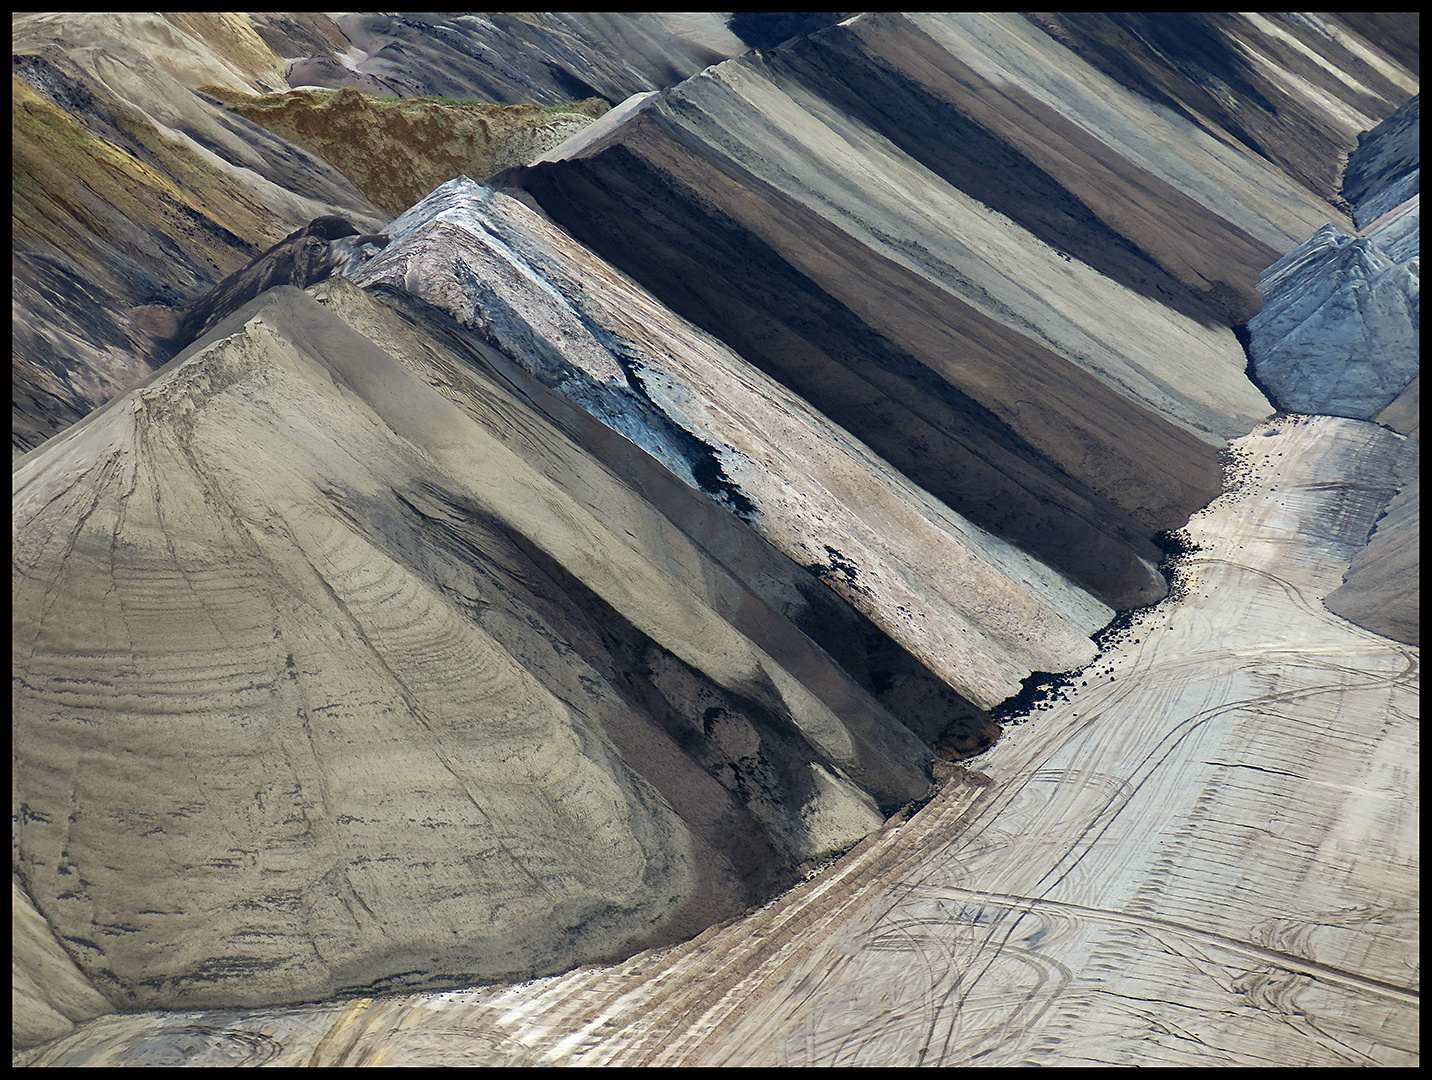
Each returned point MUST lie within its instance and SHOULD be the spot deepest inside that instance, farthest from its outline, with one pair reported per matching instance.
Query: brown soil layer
(396, 151)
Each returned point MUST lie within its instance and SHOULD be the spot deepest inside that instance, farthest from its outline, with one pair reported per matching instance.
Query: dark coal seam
(1140, 271)
(1042, 690)
(665, 435)
(1245, 341)
(701, 456)
(832, 634)
(859, 342)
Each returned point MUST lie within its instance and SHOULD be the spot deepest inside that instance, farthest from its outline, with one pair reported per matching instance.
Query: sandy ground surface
(1207, 855)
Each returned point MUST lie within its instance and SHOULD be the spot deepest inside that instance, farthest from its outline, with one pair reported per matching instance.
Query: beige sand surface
(1205, 856)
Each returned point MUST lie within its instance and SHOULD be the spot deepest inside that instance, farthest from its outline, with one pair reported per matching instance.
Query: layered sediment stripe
(707, 265)
(975, 610)
(870, 217)
(1157, 154)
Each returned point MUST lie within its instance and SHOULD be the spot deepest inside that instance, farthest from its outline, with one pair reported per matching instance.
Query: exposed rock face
(1404, 415)
(857, 257)
(134, 189)
(1289, 87)
(1382, 590)
(1339, 333)
(1386, 168)
(305, 257)
(767, 29)
(131, 190)
(546, 57)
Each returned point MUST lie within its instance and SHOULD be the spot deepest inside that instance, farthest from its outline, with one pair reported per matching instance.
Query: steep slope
(546, 57)
(49, 994)
(131, 190)
(841, 212)
(1386, 168)
(974, 610)
(398, 150)
(135, 188)
(1382, 588)
(1293, 87)
(604, 553)
(329, 683)
(1339, 333)
(304, 257)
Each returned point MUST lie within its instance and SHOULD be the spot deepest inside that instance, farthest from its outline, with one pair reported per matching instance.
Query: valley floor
(1207, 854)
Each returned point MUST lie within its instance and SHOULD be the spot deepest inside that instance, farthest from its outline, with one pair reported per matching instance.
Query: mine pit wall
(936, 434)
(1044, 498)
(975, 610)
